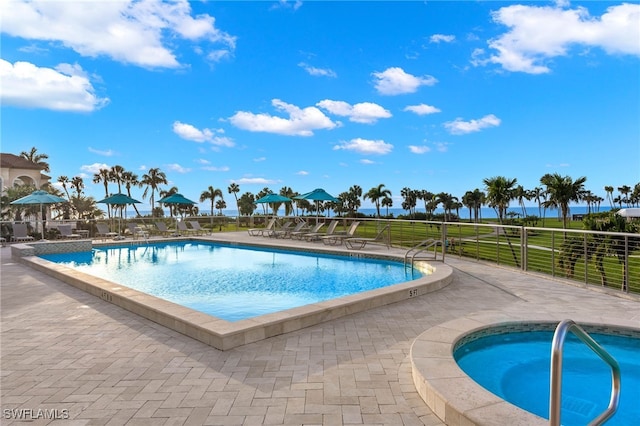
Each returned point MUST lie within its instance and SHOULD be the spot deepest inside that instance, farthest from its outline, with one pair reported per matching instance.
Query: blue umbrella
(39, 197)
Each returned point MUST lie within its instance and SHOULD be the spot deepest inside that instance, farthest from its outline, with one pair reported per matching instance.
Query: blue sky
(426, 95)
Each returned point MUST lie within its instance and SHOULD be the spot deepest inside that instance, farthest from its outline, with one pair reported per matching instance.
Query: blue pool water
(231, 282)
(515, 366)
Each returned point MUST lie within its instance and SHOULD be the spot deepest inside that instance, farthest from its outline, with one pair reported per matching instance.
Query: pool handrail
(555, 394)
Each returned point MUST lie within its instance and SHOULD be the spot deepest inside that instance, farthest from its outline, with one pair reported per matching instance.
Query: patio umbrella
(39, 197)
(317, 195)
(273, 198)
(177, 199)
(119, 199)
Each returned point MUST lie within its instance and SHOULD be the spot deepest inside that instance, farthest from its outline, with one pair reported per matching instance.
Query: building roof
(10, 161)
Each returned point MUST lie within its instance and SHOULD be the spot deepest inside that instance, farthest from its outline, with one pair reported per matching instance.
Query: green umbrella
(119, 199)
(177, 199)
(39, 197)
(317, 195)
(272, 198)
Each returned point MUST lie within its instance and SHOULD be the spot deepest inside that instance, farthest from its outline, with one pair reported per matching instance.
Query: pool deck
(65, 350)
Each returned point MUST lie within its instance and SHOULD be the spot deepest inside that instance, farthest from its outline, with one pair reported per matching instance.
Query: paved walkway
(71, 354)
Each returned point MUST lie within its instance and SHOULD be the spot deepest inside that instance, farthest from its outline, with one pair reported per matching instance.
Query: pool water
(515, 366)
(231, 282)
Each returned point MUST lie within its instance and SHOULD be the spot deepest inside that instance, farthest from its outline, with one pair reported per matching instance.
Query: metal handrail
(557, 346)
(420, 247)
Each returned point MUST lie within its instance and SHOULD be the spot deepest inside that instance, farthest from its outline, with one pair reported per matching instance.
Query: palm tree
(131, 179)
(449, 202)
(210, 194)
(64, 181)
(499, 193)
(234, 189)
(376, 194)
(624, 191)
(286, 191)
(409, 199)
(115, 175)
(103, 176)
(387, 202)
(152, 180)
(36, 158)
(609, 190)
(428, 198)
(221, 205)
(562, 191)
(78, 184)
(521, 194)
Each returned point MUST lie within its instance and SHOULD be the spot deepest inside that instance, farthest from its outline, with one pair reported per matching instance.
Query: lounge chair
(357, 243)
(314, 236)
(336, 239)
(66, 232)
(137, 231)
(258, 231)
(20, 233)
(299, 235)
(162, 228)
(272, 232)
(103, 231)
(195, 225)
(286, 232)
(182, 228)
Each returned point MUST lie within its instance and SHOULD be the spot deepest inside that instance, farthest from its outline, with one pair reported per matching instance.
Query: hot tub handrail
(420, 247)
(557, 346)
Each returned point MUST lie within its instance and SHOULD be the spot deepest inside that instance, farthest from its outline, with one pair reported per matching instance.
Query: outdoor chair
(286, 232)
(299, 235)
(162, 228)
(103, 231)
(336, 239)
(195, 226)
(137, 231)
(67, 232)
(20, 233)
(314, 236)
(272, 232)
(259, 231)
(182, 227)
(357, 243)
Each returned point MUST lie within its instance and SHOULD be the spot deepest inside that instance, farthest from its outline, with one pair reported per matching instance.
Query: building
(15, 170)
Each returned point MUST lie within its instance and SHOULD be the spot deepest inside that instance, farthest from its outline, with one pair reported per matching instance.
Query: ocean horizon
(485, 212)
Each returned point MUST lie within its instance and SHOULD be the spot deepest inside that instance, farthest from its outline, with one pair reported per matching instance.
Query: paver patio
(64, 350)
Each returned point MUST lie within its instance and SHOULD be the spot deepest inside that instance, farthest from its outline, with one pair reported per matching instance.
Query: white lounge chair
(103, 231)
(357, 243)
(336, 239)
(20, 233)
(259, 231)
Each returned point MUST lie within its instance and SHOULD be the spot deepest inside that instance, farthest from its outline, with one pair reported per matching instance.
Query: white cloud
(302, 173)
(460, 127)
(142, 33)
(255, 181)
(191, 133)
(107, 153)
(94, 168)
(537, 34)
(365, 146)
(175, 167)
(260, 159)
(437, 38)
(367, 161)
(203, 161)
(216, 169)
(422, 149)
(301, 122)
(394, 81)
(66, 88)
(364, 112)
(422, 109)
(319, 72)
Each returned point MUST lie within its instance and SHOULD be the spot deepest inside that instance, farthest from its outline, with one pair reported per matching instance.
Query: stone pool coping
(456, 398)
(221, 334)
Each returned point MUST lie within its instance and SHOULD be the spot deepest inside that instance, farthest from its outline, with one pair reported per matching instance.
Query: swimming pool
(515, 366)
(235, 283)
